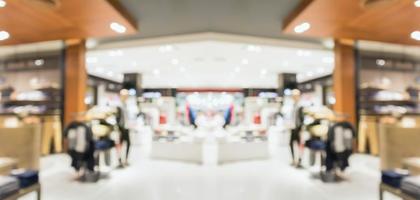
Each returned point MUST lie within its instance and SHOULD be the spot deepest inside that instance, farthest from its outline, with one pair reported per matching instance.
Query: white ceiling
(209, 63)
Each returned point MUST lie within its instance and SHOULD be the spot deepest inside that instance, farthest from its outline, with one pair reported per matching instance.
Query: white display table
(242, 151)
(179, 151)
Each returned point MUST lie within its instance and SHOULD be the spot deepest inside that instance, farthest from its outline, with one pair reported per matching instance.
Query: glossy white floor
(167, 180)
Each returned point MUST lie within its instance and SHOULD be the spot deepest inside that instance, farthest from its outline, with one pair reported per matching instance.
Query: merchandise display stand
(22, 192)
(395, 191)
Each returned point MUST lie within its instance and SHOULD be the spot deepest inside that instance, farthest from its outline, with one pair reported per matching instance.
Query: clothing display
(8, 186)
(339, 145)
(411, 186)
(26, 177)
(228, 115)
(394, 177)
(51, 133)
(368, 135)
(80, 145)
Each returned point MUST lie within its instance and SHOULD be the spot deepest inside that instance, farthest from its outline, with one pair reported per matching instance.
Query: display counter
(369, 129)
(23, 144)
(242, 151)
(397, 144)
(49, 124)
(187, 151)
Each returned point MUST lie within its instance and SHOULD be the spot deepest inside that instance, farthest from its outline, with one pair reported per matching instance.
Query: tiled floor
(167, 180)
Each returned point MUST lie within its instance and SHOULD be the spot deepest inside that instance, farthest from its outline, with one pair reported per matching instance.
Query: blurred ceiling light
(380, 62)
(116, 53)
(320, 70)
(99, 70)
(328, 60)
(91, 60)
(91, 43)
(175, 61)
(110, 74)
(415, 35)
(156, 72)
(117, 27)
(303, 53)
(4, 35)
(263, 72)
(3, 3)
(39, 62)
(166, 48)
(301, 28)
(309, 74)
(253, 48)
(300, 76)
(245, 61)
(417, 3)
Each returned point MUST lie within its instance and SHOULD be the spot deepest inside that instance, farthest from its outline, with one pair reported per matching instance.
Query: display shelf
(391, 102)
(388, 114)
(29, 102)
(52, 113)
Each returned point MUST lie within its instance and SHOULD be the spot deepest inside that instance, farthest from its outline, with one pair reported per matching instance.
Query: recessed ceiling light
(91, 43)
(263, 72)
(166, 48)
(300, 76)
(99, 70)
(415, 35)
(91, 60)
(237, 69)
(175, 61)
(110, 74)
(253, 48)
(309, 74)
(117, 27)
(156, 72)
(303, 53)
(328, 60)
(245, 61)
(417, 3)
(301, 28)
(116, 53)
(329, 43)
(3, 3)
(320, 70)
(4, 35)
(380, 62)
(39, 62)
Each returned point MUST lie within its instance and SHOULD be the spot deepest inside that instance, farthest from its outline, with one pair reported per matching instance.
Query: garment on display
(411, 185)
(339, 146)
(394, 177)
(8, 186)
(26, 177)
(81, 146)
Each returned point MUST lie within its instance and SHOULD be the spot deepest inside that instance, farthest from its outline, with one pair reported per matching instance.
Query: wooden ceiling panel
(392, 21)
(28, 21)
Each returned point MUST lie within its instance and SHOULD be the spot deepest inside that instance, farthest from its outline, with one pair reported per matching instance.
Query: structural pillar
(344, 78)
(75, 77)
